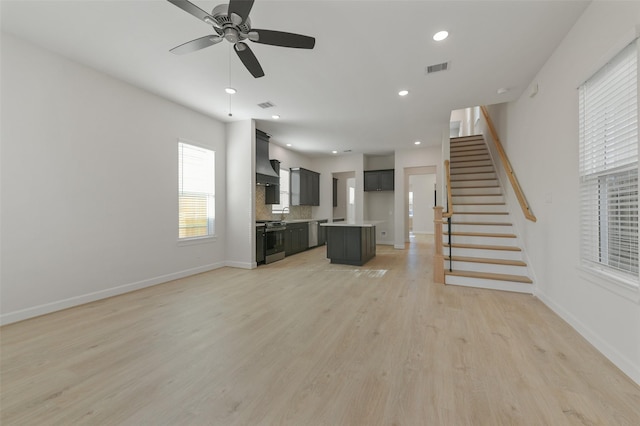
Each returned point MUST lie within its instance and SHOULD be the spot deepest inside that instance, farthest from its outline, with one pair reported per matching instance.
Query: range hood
(265, 174)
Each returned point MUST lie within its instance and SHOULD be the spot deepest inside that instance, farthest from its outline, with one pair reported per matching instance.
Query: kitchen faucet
(285, 208)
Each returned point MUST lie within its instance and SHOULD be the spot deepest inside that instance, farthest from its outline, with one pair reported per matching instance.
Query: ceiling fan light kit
(231, 22)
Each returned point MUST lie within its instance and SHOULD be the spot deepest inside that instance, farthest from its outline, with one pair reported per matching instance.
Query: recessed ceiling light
(230, 90)
(416, 143)
(440, 35)
(288, 144)
(334, 152)
(403, 92)
(275, 117)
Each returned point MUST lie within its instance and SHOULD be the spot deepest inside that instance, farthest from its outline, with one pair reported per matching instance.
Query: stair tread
(490, 276)
(481, 223)
(483, 213)
(467, 137)
(475, 195)
(483, 234)
(479, 204)
(484, 159)
(482, 247)
(473, 180)
(507, 262)
(474, 186)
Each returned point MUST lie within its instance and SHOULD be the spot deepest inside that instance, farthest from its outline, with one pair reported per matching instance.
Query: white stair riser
(461, 190)
(455, 153)
(489, 284)
(508, 229)
(478, 208)
(480, 218)
(469, 158)
(490, 254)
(474, 176)
(487, 241)
(487, 267)
(458, 199)
(471, 162)
(471, 170)
(466, 141)
(493, 183)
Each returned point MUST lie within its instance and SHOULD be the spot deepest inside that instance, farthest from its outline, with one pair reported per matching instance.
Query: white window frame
(201, 183)
(607, 153)
(284, 192)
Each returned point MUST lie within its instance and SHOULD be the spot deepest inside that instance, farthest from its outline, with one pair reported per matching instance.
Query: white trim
(197, 240)
(626, 365)
(399, 246)
(611, 283)
(48, 308)
(241, 265)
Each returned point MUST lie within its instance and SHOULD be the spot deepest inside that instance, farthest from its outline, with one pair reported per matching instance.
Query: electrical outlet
(383, 233)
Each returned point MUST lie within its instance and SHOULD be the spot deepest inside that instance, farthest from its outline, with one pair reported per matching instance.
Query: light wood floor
(303, 342)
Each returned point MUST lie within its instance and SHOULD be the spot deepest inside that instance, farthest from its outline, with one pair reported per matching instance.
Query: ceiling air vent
(437, 67)
(267, 104)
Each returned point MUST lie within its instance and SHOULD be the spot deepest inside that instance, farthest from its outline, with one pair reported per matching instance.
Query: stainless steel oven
(274, 241)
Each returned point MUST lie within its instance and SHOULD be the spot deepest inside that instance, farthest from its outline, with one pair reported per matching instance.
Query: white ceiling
(341, 95)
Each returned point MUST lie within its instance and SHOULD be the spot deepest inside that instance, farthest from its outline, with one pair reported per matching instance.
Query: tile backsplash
(263, 211)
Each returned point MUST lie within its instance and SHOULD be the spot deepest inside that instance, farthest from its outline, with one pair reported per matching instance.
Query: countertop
(367, 224)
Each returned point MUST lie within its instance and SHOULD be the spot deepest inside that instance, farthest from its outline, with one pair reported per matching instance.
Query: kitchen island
(350, 243)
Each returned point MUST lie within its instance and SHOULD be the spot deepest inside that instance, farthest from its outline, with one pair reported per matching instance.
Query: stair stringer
(513, 207)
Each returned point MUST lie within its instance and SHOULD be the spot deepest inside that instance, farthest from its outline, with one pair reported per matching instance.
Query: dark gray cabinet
(335, 192)
(296, 238)
(379, 180)
(322, 233)
(272, 192)
(304, 187)
(260, 236)
(351, 245)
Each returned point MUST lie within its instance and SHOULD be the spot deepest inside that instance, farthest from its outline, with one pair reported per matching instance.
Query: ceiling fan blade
(241, 9)
(280, 38)
(195, 11)
(248, 59)
(197, 44)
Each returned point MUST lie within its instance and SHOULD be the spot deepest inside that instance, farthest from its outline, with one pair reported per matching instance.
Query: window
(608, 120)
(284, 192)
(196, 191)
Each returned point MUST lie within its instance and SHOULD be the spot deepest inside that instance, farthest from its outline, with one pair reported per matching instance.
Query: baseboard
(399, 246)
(59, 305)
(620, 361)
(241, 265)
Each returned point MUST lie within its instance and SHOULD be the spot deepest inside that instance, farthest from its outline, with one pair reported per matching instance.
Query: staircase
(484, 248)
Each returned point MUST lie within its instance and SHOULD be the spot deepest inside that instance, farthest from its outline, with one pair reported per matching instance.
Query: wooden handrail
(524, 205)
(449, 211)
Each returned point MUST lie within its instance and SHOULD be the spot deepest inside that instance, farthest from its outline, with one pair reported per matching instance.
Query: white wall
(241, 187)
(405, 159)
(540, 135)
(422, 186)
(327, 166)
(340, 211)
(89, 203)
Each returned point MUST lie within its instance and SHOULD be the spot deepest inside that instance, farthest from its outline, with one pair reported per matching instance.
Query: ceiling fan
(231, 22)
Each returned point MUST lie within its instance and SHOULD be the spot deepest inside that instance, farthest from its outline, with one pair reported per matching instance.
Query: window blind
(608, 134)
(196, 191)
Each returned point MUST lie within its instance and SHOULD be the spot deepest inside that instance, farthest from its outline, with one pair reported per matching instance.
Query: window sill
(196, 240)
(618, 285)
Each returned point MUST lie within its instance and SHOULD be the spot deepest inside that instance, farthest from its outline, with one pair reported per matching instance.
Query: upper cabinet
(379, 180)
(272, 192)
(305, 187)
